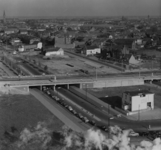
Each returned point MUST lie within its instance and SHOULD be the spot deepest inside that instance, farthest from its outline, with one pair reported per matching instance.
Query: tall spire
(4, 17)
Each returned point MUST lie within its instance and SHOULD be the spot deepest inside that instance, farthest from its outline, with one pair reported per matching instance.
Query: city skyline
(50, 8)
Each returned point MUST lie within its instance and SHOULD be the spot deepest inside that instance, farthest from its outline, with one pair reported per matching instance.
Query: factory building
(137, 100)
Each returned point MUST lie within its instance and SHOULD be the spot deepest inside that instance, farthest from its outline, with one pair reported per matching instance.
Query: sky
(81, 7)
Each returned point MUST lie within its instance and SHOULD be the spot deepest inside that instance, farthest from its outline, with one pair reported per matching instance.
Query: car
(118, 115)
(48, 92)
(63, 104)
(60, 102)
(44, 88)
(104, 128)
(74, 112)
(132, 133)
(85, 119)
(112, 118)
(53, 96)
(92, 123)
(66, 106)
(70, 108)
(57, 98)
(79, 116)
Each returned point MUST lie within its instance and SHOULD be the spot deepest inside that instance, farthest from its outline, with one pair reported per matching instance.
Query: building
(137, 100)
(91, 50)
(23, 32)
(133, 60)
(54, 51)
(15, 41)
(35, 46)
(10, 31)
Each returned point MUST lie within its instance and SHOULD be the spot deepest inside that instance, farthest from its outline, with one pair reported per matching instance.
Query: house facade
(92, 50)
(137, 100)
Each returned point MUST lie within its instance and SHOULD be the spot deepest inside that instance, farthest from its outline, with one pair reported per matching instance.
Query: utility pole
(108, 120)
(139, 71)
(139, 113)
(96, 72)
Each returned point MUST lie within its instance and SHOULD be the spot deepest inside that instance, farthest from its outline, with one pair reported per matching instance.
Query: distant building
(10, 31)
(54, 51)
(133, 60)
(23, 32)
(91, 50)
(29, 47)
(15, 41)
(137, 100)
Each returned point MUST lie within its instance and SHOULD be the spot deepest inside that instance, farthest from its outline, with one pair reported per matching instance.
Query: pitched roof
(53, 49)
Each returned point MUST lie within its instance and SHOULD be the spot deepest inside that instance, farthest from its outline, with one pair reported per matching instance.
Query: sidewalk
(147, 115)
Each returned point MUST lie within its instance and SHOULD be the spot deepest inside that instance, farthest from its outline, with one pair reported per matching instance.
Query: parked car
(74, 112)
(79, 116)
(118, 115)
(132, 133)
(70, 108)
(104, 128)
(57, 98)
(66, 106)
(85, 119)
(48, 92)
(92, 123)
(112, 118)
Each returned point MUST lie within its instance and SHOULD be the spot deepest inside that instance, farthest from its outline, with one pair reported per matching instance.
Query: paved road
(65, 116)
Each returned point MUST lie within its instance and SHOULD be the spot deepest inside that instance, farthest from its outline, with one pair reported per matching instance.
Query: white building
(15, 41)
(92, 50)
(22, 48)
(137, 100)
(54, 51)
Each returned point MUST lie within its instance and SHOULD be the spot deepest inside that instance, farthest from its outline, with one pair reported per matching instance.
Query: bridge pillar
(80, 86)
(54, 87)
(40, 88)
(68, 86)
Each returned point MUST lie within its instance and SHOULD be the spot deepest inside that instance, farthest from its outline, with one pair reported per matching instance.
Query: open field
(73, 65)
(150, 52)
(22, 111)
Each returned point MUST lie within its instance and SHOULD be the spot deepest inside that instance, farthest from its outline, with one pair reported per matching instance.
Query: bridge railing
(30, 77)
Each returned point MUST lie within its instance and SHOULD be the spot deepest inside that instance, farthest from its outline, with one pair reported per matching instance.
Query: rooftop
(135, 93)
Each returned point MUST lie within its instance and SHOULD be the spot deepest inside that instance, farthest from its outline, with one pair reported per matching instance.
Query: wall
(5, 89)
(117, 82)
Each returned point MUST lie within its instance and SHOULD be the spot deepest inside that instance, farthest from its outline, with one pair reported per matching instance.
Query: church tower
(4, 17)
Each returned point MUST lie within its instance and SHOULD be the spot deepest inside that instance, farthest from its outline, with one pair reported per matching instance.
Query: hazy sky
(80, 7)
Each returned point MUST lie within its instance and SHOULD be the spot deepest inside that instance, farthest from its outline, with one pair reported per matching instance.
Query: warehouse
(54, 51)
(137, 100)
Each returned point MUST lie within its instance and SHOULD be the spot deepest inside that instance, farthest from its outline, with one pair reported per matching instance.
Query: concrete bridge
(24, 82)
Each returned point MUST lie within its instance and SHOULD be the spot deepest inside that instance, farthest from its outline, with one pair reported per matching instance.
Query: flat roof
(134, 93)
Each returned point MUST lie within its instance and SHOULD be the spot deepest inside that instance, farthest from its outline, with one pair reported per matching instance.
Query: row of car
(78, 115)
(151, 134)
